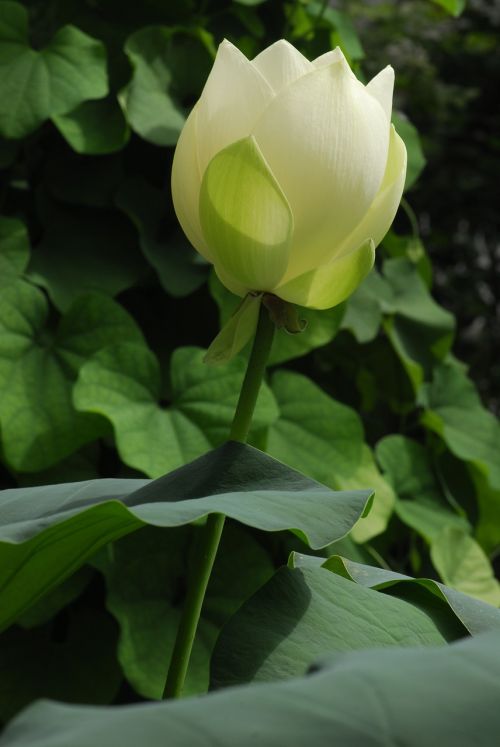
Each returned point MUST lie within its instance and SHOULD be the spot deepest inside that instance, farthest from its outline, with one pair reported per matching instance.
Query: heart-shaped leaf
(38, 367)
(38, 84)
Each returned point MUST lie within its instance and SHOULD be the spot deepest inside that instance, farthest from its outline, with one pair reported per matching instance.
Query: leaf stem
(211, 532)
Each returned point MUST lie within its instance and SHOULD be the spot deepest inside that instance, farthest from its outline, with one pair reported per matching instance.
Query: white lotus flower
(288, 173)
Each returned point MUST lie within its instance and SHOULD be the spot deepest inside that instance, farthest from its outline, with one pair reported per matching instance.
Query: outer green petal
(186, 183)
(236, 332)
(333, 283)
(245, 217)
(230, 283)
(326, 141)
(281, 64)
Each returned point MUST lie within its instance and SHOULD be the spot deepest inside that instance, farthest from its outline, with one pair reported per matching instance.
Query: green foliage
(39, 84)
(297, 607)
(50, 531)
(450, 685)
(373, 521)
(454, 7)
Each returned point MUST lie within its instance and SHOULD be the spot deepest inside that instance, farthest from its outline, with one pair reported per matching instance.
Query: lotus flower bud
(288, 173)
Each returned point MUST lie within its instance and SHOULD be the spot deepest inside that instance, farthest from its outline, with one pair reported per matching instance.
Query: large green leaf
(14, 249)
(123, 384)
(38, 366)
(170, 66)
(367, 473)
(80, 668)
(104, 254)
(322, 326)
(305, 613)
(421, 503)
(453, 7)
(90, 181)
(148, 605)
(343, 33)
(454, 411)
(314, 433)
(457, 557)
(476, 616)
(416, 158)
(48, 532)
(94, 127)
(488, 525)
(462, 564)
(38, 84)
(363, 315)
(324, 439)
(56, 599)
(420, 330)
(179, 268)
(445, 695)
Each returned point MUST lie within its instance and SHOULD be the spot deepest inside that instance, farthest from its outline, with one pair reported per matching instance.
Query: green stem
(253, 377)
(210, 533)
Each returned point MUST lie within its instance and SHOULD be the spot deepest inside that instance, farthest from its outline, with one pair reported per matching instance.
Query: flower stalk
(211, 532)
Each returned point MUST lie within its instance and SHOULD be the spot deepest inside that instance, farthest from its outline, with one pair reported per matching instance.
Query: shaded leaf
(38, 84)
(456, 687)
(46, 533)
(122, 383)
(324, 439)
(476, 616)
(421, 504)
(177, 265)
(454, 411)
(420, 330)
(416, 158)
(148, 605)
(94, 127)
(38, 366)
(14, 249)
(36, 664)
(104, 255)
(170, 66)
(363, 315)
(305, 613)
(462, 565)
(453, 7)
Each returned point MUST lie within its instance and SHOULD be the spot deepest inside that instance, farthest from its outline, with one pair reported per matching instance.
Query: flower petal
(245, 217)
(326, 140)
(381, 88)
(233, 98)
(186, 183)
(333, 283)
(281, 64)
(328, 58)
(379, 217)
